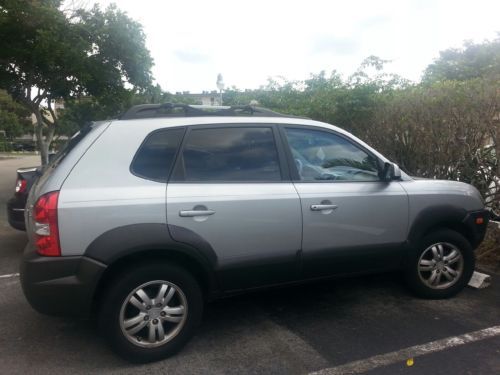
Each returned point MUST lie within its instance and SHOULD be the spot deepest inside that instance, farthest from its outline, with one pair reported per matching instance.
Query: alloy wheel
(440, 265)
(153, 313)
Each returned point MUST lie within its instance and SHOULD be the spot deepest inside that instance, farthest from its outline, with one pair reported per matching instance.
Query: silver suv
(141, 220)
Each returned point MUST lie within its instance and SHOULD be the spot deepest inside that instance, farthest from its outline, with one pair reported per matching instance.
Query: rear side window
(156, 155)
(231, 154)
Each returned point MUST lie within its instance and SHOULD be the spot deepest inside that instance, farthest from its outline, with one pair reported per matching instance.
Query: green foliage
(78, 112)
(442, 130)
(479, 60)
(5, 146)
(349, 103)
(47, 54)
(14, 118)
(447, 128)
(87, 53)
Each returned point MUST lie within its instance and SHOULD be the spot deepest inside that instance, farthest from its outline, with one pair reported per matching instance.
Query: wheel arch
(441, 217)
(125, 247)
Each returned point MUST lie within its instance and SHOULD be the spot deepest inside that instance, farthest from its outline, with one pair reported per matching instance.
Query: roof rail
(185, 110)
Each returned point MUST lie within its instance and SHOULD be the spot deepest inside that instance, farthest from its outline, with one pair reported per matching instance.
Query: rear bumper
(477, 229)
(60, 285)
(15, 213)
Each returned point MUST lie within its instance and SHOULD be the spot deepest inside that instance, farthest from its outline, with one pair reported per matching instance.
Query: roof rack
(186, 110)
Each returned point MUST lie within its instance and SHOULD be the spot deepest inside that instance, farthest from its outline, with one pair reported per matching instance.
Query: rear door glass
(231, 154)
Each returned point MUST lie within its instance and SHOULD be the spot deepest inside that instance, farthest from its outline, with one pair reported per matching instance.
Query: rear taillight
(21, 185)
(45, 225)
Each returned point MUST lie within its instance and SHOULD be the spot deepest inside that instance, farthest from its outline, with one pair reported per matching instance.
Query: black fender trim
(59, 285)
(432, 217)
(128, 240)
(477, 229)
(453, 217)
(188, 237)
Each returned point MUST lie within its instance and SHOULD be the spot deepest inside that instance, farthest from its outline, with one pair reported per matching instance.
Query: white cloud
(191, 41)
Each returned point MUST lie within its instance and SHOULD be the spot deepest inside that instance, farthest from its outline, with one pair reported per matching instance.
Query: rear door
(231, 187)
(352, 221)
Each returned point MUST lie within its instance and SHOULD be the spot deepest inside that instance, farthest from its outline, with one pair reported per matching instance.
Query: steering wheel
(328, 176)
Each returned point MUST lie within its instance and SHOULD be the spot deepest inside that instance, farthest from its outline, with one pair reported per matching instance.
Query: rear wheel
(150, 312)
(441, 266)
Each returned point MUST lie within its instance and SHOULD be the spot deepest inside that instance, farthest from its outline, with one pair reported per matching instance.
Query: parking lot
(366, 325)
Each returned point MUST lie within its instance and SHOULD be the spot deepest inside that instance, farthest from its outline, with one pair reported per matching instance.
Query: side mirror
(52, 155)
(390, 172)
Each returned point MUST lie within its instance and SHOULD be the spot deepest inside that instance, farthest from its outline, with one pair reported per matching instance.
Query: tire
(421, 265)
(132, 307)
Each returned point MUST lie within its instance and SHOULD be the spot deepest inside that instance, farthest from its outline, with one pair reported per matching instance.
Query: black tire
(415, 282)
(118, 292)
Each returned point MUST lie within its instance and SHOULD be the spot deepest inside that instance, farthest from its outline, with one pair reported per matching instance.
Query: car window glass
(231, 154)
(320, 155)
(68, 147)
(156, 155)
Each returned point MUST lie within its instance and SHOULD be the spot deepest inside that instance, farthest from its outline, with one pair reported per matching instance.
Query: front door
(352, 221)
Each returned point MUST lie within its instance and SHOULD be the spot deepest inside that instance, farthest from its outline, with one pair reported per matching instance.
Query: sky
(250, 41)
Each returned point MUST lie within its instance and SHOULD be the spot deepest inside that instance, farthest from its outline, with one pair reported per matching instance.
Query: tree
(14, 118)
(349, 103)
(47, 54)
(479, 60)
(443, 130)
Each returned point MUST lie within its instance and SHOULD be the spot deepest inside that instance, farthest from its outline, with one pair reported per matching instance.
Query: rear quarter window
(155, 157)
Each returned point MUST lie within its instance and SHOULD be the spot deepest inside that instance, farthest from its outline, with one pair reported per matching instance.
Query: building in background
(205, 98)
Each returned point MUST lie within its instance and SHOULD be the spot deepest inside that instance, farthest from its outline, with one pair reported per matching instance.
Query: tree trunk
(42, 143)
(43, 146)
(496, 140)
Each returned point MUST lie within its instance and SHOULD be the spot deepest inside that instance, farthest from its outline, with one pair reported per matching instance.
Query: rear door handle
(194, 213)
(321, 207)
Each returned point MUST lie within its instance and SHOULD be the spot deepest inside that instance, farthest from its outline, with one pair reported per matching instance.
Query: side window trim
(293, 169)
(177, 174)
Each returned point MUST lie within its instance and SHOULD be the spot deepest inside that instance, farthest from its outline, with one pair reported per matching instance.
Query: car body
(185, 207)
(23, 146)
(16, 205)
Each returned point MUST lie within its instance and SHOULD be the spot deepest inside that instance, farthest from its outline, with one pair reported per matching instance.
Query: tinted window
(321, 155)
(70, 145)
(156, 155)
(231, 154)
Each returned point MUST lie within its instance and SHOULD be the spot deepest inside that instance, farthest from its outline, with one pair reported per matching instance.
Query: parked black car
(23, 146)
(15, 206)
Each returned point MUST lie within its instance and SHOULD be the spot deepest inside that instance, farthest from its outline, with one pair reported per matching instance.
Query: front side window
(231, 154)
(156, 155)
(321, 155)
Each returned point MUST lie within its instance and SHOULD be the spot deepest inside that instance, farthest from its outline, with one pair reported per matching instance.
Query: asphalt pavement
(369, 325)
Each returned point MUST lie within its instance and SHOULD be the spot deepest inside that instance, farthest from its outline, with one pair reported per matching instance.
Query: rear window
(70, 145)
(156, 155)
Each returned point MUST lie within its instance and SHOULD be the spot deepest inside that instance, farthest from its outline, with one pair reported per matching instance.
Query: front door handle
(321, 207)
(194, 213)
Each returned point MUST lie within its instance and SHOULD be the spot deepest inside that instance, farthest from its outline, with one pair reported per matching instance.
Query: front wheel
(441, 266)
(150, 312)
